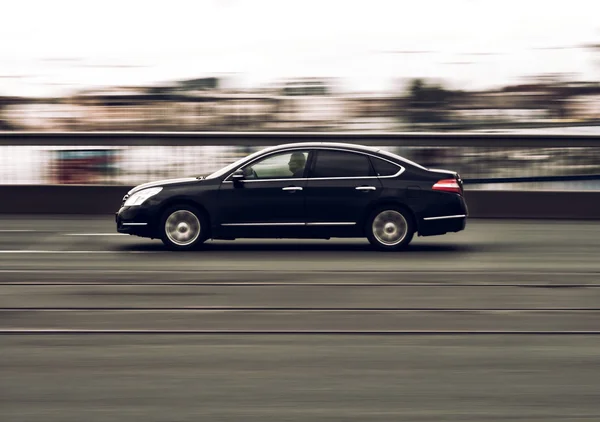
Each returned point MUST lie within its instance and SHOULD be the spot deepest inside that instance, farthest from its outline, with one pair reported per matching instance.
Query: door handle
(292, 188)
(366, 188)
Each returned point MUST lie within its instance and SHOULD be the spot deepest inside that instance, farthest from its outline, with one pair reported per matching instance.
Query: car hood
(163, 183)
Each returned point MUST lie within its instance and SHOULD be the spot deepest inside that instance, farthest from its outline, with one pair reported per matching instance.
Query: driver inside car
(297, 164)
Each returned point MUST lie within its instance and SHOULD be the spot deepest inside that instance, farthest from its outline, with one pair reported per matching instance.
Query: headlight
(138, 198)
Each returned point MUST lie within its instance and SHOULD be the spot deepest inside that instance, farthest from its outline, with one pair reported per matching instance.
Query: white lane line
(133, 331)
(294, 271)
(94, 234)
(72, 252)
(303, 310)
(92, 271)
(61, 234)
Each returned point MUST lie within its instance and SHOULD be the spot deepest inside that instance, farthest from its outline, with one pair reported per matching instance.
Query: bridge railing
(485, 161)
(506, 176)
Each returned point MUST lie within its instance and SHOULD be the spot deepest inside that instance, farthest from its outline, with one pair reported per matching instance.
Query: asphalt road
(498, 323)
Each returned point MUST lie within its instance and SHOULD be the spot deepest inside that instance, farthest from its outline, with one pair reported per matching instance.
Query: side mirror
(237, 176)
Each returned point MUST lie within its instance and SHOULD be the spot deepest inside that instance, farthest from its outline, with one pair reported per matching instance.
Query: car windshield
(235, 164)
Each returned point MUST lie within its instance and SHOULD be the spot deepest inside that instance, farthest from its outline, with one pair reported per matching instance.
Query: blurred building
(308, 104)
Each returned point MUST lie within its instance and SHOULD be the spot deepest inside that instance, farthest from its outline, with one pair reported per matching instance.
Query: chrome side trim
(292, 188)
(331, 224)
(292, 224)
(263, 224)
(134, 224)
(402, 169)
(445, 217)
(309, 179)
(267, 180)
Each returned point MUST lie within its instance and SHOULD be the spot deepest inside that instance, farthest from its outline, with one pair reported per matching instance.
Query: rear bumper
(434, 226)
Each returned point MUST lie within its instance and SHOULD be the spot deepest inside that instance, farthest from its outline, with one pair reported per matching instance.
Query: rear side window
(383, 167)
(341, 164)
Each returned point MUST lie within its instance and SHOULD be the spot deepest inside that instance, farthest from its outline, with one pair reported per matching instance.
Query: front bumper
(134, 220)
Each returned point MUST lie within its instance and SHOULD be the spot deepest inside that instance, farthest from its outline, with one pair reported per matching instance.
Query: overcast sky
(47, 47)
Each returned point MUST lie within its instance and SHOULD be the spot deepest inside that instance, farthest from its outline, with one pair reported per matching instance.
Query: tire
(390, 228)
(182, 228)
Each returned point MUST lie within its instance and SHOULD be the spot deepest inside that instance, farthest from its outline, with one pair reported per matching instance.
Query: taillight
(448, 185)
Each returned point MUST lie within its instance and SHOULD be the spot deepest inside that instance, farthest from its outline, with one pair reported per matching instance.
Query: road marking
(94, 234)
(318, 271)
(274, 284)
(73, 331)
(74, 252)
(299, 310)
(61, 234)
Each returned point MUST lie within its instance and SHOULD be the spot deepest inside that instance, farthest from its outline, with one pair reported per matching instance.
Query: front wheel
(390, 228)
(182, 228)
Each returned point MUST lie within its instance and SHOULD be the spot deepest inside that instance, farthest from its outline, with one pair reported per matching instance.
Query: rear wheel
(390, 228)
(182, 228)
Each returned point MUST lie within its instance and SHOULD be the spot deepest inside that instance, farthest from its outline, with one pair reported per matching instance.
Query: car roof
(325, 145)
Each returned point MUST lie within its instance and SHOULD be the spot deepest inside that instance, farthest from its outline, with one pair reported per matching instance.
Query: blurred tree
(428, 103)
(558, 102)
(596, 49)
(4, 124)
(199, 84)
(557, 93)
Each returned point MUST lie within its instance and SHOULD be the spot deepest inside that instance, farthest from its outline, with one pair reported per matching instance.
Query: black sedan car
(303, 190)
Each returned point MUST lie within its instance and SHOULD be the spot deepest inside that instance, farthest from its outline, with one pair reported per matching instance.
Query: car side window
(341, 164)
(383, 167)
(287, 165)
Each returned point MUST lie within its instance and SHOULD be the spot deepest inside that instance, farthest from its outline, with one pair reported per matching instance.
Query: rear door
(341, 185)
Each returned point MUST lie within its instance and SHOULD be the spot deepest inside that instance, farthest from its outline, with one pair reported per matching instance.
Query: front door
(269, 201)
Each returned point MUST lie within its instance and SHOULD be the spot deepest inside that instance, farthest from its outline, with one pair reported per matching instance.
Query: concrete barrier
(534, 204)
(70, 199)
(60, 199)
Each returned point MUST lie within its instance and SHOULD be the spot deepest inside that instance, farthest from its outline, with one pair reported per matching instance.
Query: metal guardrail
(505, 175)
